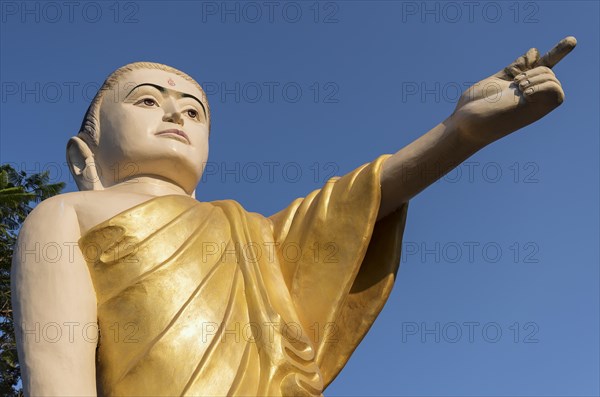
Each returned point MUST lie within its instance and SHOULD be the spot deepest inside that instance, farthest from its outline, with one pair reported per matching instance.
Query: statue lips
(177, 134)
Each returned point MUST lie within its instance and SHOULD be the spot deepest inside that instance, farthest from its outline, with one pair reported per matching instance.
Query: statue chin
(184, 174)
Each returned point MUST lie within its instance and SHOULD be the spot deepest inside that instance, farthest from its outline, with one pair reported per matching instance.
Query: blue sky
(498, 288)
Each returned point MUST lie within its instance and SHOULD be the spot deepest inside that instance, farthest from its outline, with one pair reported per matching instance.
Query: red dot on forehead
(171, 82)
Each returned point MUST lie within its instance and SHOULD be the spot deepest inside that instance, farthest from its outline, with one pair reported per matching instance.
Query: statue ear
(81, 164)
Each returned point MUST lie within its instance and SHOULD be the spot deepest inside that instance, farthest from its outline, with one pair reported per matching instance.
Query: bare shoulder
(56, 210)
(82, 210)
(49, 231)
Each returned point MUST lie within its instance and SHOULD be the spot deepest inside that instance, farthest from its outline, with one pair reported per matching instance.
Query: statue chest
(186, 306)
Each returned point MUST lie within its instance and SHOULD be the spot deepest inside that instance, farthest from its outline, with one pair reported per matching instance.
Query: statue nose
(174, 117)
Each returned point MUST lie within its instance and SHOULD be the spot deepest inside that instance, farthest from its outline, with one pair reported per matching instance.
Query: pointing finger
(559, 51)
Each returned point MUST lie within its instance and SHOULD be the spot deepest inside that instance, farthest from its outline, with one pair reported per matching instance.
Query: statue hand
(518, 95)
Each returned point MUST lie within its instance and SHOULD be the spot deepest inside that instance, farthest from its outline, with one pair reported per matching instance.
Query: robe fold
(207, 299)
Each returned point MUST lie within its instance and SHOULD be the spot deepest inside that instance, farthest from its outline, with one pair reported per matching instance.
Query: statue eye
(150, 102)
(192, 113)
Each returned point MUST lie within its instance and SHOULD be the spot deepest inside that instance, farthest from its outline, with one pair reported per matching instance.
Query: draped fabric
(209, 299)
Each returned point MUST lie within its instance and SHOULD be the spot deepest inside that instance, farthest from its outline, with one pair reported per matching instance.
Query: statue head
(147, 119)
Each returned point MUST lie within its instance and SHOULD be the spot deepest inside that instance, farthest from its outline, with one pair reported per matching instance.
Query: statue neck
(149, 185)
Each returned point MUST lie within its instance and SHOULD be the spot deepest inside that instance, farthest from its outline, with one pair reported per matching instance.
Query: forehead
(169, 80)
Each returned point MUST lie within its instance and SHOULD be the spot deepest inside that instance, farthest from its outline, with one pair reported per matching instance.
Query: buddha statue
(156, 293)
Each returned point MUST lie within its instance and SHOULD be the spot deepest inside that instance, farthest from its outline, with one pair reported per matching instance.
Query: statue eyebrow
(163, 90)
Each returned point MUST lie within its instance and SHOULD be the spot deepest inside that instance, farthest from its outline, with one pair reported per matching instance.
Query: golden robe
(207, 299)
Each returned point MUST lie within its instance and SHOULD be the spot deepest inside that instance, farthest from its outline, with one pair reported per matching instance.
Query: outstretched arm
(516, 96)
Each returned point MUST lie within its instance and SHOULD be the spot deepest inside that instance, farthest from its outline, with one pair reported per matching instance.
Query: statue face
(152, 124)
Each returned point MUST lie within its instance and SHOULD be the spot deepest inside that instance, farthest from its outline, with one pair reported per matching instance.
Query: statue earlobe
(82, 165)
